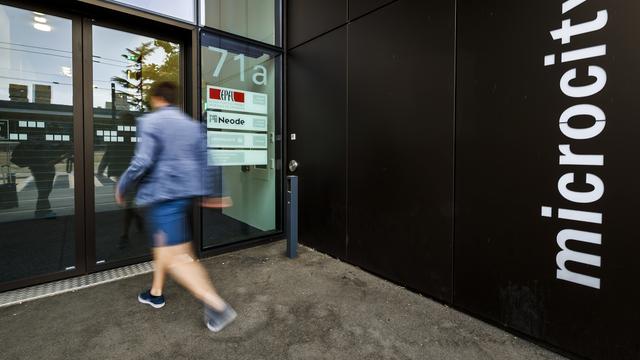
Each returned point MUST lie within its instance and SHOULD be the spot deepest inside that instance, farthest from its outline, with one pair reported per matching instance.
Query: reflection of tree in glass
(141, 74)
(133, 82)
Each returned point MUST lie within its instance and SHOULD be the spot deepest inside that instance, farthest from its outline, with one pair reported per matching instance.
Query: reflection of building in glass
(42, 94)
(121, 100)
(39, 153)
(18, 93)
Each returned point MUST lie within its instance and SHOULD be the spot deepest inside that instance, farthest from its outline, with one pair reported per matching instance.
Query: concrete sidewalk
(314, 307)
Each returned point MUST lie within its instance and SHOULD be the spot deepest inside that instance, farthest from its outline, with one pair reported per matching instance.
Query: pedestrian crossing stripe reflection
(62, 180)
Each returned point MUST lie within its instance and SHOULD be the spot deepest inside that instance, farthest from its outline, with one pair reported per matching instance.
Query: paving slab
(313, 307)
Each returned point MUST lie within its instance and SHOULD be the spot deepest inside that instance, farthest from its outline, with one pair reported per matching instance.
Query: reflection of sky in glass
(29, 56)
(108, 47)
(181, 9)
(255, 19)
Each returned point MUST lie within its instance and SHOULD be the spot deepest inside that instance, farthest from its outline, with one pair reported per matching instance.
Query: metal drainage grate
(76, 283)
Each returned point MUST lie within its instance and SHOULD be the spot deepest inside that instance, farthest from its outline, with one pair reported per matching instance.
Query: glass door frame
(89, 195)
(80, 214)
(280, 143)
(83, 17)
(84, 14)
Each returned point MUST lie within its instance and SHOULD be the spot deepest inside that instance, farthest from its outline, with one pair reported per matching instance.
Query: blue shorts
(168, 222)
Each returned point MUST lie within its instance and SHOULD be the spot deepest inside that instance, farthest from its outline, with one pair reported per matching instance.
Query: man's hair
(166, 90)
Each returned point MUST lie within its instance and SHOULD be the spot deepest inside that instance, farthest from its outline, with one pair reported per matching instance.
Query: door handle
(293, 165)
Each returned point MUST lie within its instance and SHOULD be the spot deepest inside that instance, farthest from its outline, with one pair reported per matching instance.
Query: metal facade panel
(509, 263)
(360, 7)
(307, 19)
(400, 192)
(317, 108)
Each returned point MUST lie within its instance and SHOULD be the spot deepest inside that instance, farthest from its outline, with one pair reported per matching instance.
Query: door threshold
(76, 283)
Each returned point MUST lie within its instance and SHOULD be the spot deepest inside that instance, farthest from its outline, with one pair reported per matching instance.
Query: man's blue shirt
(170, 160)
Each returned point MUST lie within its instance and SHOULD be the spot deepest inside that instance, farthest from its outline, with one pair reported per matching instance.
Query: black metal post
(292, 216)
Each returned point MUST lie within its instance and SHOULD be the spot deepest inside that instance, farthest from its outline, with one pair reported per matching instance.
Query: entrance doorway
(70, 91)
(124, 66)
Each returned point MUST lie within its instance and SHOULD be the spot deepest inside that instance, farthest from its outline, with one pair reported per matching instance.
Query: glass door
(71, 90)
(240, 101)
(70, 93)
(124, 66)
(41, 208)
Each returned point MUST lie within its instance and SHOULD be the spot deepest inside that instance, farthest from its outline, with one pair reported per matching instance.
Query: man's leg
(188, 272)
(159, 272)
(169, 229)
(154, 296)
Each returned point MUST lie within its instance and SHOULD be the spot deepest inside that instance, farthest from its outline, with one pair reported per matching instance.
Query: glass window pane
(125, 65)
(180, 9)
(36, 145)
(254, 19)
(239, 87)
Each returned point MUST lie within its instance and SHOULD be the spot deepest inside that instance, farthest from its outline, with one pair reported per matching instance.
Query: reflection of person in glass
(43, 169)
(116, 160)
(168, 168)
(41, 157)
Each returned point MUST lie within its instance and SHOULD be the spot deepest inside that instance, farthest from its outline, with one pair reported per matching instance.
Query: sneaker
(155, 301)
(216, 320)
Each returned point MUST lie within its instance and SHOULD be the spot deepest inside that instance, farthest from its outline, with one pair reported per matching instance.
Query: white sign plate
(235, 121)
(236, 157)
(219, 98)
(235, 140)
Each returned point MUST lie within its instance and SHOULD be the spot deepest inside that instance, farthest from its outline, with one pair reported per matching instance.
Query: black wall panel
(360, 7)
(384, 199)
(307, 19)
(317, 107)
(400, 144)
(508, 168)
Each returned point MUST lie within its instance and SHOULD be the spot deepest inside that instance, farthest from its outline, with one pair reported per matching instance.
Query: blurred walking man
(167, 168)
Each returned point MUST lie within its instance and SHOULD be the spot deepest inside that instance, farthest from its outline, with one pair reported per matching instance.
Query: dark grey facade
(363, 199)
(441, 147)
(479, 153)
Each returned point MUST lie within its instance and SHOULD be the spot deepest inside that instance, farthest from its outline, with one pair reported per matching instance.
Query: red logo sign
(226, 95)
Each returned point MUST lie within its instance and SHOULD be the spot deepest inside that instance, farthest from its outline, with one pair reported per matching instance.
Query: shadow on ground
(314, 307)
